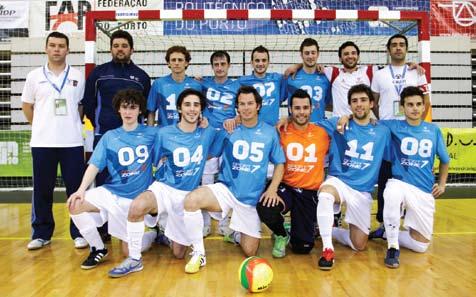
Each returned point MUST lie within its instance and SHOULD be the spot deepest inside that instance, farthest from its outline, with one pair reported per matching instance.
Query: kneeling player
(354, 162)
(305, 146)
(246, 154)
(125, 152)
(184, 148)
(415, 144)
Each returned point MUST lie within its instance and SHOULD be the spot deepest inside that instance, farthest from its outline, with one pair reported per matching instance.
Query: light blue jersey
(317, 86)
(220, 100)
(413, 152)
(355, 157)
(184, 155)
(163, 96)
(273, 90)
(245, 158)
(128, 157)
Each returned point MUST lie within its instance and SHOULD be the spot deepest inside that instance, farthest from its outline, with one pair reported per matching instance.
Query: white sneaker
(206, 231)
(37, 243)
(224, 226)
(80, 243)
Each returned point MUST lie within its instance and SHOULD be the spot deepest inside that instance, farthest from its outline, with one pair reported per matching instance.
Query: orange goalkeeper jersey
(305, 156)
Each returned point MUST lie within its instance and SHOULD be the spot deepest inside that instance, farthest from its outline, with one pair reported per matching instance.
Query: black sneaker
(327, 260)
(95, 257)
(391, 260)
(378, 233)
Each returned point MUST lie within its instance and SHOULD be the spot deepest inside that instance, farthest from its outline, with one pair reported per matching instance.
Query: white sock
(408, 242)
(343, 236)
(135, 232)
(391, 215)
(147, 240)
(207, 220)
(208, 179)
(325, 219)
(87, 227)
(194, 226)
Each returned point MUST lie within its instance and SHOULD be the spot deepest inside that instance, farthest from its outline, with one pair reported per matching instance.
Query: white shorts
(420, 206)
(211, 166)
(112, 209)
(244, 218)
(359, 204)
(170, 201)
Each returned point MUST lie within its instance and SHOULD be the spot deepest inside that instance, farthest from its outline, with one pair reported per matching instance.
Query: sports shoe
(198, 260)
(338, 220)
(224, 226)
(378, 233)
(127, 266)
(327, 259)
(206, 231)
(95, 257)
(80, 243)
(37, 243)
(287, 227)
(233, 237)
(391, 260)
(279, 248)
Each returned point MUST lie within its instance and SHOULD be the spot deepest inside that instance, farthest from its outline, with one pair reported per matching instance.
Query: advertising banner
(461, 146)
(14, 18)
(15, 153)
(449, 18)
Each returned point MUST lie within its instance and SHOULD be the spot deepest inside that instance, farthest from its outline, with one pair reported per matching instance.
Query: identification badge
(60, 107)
(397, 111)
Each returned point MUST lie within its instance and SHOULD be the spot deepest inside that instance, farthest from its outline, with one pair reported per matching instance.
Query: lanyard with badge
(61, 108)
(398, 87)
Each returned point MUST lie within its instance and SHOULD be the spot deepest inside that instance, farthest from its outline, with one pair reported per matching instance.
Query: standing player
(165, 90)
(387, 85)
(305, 146)
(354, 161)
(415, 145)
(220, 92)
(184, 147)
(307, 78)
(50, 102)
(270, 86)
(246, 154)
(126, 152)
(105, 81)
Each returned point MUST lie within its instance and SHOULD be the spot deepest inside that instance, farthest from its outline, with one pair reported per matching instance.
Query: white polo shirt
(390, 86)
(51, 127)
(341, 85)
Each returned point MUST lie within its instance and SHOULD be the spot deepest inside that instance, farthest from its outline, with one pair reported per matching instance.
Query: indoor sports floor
(447, 269)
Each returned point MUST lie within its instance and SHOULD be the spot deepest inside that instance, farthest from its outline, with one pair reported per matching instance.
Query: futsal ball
(255, 274)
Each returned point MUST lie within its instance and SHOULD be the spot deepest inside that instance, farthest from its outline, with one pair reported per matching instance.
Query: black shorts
(302, 204)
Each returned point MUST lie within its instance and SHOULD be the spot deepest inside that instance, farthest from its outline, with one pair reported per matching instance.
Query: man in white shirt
(50, 102)
(387, 85)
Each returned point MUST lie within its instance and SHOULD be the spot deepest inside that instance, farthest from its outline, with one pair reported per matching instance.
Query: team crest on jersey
(258, 132)
(371, 131)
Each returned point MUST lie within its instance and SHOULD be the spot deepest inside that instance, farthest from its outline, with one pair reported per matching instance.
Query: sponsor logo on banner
(66, 16)
(14, 15)
(217, 27)
(461, 146)
(453, 17)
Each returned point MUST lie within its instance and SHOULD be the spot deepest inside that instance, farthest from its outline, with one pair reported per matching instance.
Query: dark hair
(188, 92)
(220, 54)
(361, 88)
(178, 49)
(249, 90)
(346, 44)
(57, 34)
(397, 36)
(259, 49)
(411, 91)
(130, 96)
(122, 34)
(308, 42)
(299, 93)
